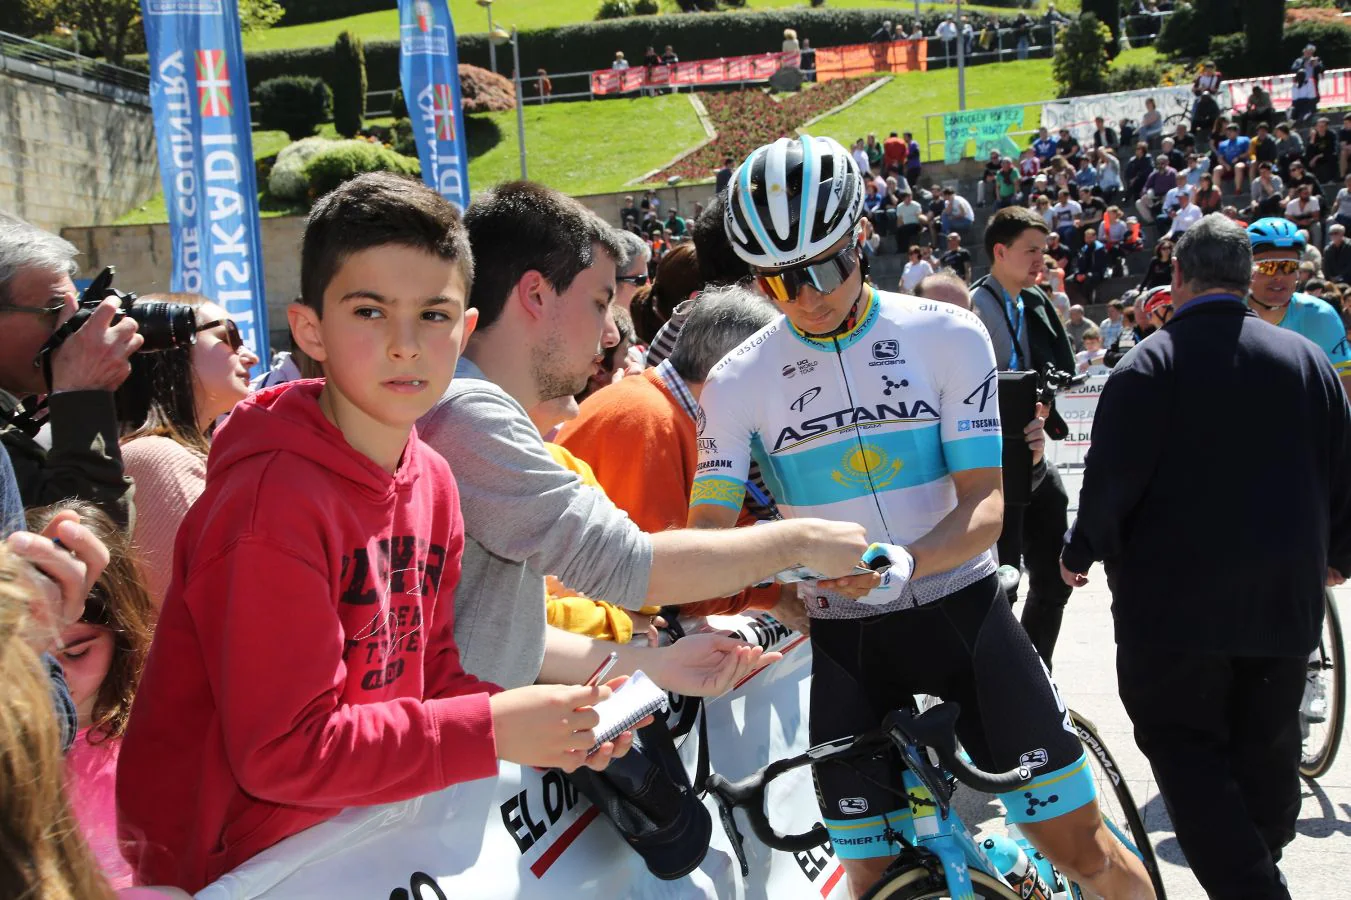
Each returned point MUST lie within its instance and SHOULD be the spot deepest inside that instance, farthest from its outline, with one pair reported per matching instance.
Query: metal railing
(1000, 53)
(40, 62)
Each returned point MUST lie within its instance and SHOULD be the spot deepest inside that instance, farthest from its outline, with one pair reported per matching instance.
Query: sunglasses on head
(824, 275)
(635, 280)
(1276, 266)
(232, 335)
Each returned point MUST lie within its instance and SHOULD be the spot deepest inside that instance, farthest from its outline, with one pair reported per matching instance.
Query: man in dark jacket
(1028, 335)
(37, 296)
(1217, 566)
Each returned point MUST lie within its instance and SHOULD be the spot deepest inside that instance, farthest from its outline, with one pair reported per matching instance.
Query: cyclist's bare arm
(971, 528)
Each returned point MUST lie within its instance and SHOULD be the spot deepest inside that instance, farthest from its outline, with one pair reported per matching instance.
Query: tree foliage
(349, 84)
(1081, 56)
(1263, 25)
(115, 25)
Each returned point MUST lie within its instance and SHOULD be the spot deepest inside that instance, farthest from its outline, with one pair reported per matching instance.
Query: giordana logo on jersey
(800, 404)
(853, 806)
(886, 353)
(988, 390)
(976, 424)
(1034, 759)
(801, 367)
(897, 411)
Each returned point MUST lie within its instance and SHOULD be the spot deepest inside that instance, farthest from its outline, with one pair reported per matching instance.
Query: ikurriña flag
(200, 100)
(430, 74)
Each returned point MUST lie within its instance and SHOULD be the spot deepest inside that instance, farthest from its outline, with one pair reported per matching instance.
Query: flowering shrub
(748, 119)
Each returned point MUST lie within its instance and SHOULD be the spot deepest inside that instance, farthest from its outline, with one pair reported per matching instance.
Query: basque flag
(200, 100)
(430, 74)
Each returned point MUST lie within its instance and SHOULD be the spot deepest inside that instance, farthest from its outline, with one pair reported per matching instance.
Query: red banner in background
(831, 63)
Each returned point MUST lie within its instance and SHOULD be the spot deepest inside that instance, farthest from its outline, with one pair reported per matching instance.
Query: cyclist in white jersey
(882, 409)
(1276, 250)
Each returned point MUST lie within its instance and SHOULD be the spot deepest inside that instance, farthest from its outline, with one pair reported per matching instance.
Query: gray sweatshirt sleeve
(521, 505)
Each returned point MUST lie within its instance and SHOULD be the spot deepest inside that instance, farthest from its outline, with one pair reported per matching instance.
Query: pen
(606, 665)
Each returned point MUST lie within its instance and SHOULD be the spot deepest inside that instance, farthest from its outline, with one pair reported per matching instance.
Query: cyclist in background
(882, 409)
(1276, 250)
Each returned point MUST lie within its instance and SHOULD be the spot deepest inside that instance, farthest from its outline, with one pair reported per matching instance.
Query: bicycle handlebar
(901, 728)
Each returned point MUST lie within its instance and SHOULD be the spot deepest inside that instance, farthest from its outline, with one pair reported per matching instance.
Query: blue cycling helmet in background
(1272, 234)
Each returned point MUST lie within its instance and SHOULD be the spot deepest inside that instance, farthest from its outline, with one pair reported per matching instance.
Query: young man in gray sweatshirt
(544, 282)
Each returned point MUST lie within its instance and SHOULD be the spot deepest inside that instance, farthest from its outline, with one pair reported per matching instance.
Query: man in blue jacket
(1217, 566)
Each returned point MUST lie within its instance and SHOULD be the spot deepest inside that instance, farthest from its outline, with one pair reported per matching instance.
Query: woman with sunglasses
(102, 655)
(1277, 248)
(1160, 271)
(168, 407)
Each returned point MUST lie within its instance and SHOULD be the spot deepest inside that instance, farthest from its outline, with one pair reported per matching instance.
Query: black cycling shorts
(965, 648)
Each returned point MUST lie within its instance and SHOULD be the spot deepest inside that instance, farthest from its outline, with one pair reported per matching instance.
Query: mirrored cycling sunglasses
(635, 280)
(825, 276)
(1276, 266)
(232, 335)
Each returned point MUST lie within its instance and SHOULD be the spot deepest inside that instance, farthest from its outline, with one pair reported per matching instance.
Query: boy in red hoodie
(305, 658)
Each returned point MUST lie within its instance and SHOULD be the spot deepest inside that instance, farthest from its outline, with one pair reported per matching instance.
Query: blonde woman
(45, 856)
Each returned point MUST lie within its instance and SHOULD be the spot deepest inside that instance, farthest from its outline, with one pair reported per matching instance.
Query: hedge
(295, 104)
(349, 84)
(344, 160)
(1332, 40)
(580, 47)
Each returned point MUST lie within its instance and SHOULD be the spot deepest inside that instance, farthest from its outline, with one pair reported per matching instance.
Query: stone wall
(143, 255)
(69, 158)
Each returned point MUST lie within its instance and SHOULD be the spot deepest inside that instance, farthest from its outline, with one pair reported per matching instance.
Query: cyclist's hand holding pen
(855, 585)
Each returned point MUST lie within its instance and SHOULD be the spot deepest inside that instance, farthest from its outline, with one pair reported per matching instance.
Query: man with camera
(37, 297)
(1028, 336)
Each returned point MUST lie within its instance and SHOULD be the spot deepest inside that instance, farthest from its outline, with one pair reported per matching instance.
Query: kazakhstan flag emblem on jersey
(867, 464)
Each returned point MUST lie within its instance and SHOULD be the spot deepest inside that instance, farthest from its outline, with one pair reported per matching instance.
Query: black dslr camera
(164, 326)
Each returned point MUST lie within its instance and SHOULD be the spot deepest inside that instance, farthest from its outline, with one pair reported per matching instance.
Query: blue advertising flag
(200, 100)
(429, 71)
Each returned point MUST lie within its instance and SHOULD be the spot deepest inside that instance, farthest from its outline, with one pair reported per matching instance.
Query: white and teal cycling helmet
(792, 200)
(1272, 233)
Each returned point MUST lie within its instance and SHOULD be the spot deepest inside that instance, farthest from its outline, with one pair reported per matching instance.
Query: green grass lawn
(581, 148)
(903, 103)
(590, 148)
(469, 18)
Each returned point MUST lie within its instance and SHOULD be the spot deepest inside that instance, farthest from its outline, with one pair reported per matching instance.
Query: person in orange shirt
(640, 435)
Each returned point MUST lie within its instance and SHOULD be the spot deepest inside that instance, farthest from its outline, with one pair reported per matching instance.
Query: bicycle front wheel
(1115, 800)
(1322, 713)
(917, 882)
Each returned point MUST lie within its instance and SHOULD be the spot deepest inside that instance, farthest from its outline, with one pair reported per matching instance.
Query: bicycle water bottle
(1012, 863)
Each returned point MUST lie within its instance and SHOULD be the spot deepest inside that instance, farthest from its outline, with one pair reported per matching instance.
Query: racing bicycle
(939, 857)
(1322, 715)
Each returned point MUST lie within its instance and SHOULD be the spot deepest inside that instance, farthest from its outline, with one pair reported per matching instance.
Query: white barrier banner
(1076, 408)
(1077, 113)
(1334, 90)
(528, 834)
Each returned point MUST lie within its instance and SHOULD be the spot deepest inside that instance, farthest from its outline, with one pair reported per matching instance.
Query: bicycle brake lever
(733, 835)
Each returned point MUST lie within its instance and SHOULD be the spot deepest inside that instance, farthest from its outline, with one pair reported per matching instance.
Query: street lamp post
(492, 46)
(961, 60)
(500, 36)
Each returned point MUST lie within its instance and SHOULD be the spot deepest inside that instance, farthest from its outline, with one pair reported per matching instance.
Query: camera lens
(164, 325)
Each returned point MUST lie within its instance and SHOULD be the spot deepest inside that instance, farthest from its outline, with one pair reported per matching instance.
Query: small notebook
(635, 700)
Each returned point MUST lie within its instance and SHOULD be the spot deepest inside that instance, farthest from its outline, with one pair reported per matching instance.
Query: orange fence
(831, 63)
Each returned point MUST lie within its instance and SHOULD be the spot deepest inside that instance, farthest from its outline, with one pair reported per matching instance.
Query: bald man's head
(945, 287)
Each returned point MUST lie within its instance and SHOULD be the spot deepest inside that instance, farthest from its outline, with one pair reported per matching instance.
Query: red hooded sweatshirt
(305, 659)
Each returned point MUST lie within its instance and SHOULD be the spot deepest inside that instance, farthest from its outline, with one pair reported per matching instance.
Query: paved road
(1315, 864)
